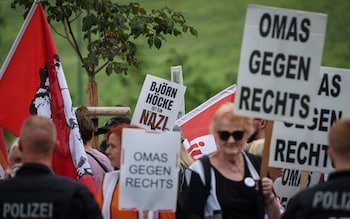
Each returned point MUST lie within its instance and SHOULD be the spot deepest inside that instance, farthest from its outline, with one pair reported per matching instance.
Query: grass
(210, 62)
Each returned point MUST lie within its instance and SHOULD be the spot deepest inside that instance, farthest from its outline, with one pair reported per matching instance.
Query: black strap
(207, 167)
(99, 162)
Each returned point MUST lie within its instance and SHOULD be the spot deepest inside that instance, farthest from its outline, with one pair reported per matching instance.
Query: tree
(109, 32)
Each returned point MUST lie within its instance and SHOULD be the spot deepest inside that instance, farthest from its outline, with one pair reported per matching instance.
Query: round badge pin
(248, 181)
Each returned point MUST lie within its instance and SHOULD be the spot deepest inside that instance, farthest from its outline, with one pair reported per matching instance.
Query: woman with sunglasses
(233, 189)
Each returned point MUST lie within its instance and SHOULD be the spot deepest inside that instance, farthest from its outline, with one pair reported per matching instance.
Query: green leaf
(109, 69)
(194, 32)
(157, 42)
(150, 41)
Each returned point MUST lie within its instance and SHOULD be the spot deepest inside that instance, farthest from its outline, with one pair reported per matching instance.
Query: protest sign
(279, 63)
(304, 147)
(159, 104)
(176, 76)
(149, 170)
(289, 184)
(195, 124)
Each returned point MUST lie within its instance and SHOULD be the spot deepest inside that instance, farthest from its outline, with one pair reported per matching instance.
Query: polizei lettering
(154, 120)
(332, 200)
(27, 210)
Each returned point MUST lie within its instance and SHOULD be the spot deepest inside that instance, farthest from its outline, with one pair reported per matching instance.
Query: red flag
(195, 124)
(3, 155)
(33, 79)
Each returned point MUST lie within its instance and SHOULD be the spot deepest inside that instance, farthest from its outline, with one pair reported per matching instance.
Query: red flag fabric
(195, 124)
(33, 79)
(3, 155)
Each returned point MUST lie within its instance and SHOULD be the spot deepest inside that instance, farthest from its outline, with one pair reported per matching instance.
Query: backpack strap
(252, 165)
(207, 173)
(99, 162)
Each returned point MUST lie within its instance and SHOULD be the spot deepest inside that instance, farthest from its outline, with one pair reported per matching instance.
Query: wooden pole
(94, 112)
(145, 214)
(108, 111)
(266, 150)
(303, 180)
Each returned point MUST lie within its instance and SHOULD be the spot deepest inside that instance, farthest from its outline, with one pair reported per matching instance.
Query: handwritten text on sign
(279, 65)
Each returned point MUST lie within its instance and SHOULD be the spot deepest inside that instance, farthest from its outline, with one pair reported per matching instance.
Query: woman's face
(113, 150)
(230, 137)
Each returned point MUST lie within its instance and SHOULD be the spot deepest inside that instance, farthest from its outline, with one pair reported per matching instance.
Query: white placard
(176, 76)
(159, 104)
(279, 63)
(149, 170)
(304, 147)
(289, 184)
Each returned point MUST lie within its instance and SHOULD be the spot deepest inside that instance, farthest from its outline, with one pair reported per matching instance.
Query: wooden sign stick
(266, 150)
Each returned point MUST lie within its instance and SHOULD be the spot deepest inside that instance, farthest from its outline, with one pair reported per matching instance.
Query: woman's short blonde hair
(227, 110)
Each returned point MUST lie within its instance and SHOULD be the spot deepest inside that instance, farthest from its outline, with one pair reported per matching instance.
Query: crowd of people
(225, 184)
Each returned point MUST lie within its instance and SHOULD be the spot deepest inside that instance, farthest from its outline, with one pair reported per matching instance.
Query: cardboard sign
(149, 170)
(195, 124)
(304, 147)
(279, 64)
(159, 104)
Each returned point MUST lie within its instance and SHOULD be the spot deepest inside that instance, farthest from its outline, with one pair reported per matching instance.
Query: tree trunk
(92, 92)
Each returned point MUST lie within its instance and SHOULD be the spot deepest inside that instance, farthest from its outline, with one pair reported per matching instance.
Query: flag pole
(18, 38)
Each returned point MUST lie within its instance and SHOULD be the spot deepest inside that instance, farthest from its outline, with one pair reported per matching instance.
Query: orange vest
(114, 211)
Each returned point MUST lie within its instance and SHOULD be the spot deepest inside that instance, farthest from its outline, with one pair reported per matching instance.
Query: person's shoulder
(68, 183)
(4, 183)
(98, 154)
(256, 146)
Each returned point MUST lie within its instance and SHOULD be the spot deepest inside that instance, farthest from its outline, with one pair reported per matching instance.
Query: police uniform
(36, 192)
(327, 200)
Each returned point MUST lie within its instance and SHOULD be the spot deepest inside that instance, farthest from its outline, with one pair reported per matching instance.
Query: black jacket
(36, 192)
(326, 200)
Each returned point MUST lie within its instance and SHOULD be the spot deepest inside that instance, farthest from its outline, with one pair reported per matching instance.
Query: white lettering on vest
(27, 210)
(333, 200)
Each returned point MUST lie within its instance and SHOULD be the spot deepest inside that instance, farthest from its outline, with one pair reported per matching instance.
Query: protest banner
(304, 147)
(195, 124)
(149, 166)
(279, 63)
(159, 104)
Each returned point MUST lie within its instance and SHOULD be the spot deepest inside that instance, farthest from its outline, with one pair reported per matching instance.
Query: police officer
(331, 199)
(36, 192)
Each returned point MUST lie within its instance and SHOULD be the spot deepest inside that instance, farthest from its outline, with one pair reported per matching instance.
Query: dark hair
(86, 126)
(111, 122)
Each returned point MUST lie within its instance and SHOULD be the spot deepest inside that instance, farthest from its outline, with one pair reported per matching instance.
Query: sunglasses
(237, 135)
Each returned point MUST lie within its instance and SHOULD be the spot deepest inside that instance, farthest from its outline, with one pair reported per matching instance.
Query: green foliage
(1, 20)
(110, 30)
(209, 62)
